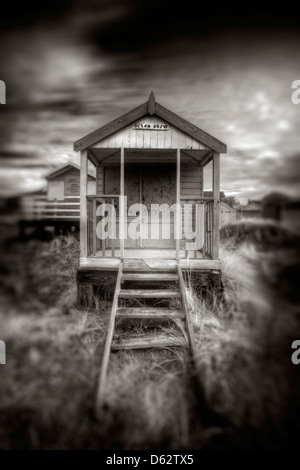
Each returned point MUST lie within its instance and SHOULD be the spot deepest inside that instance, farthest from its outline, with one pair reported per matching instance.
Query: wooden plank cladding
(72, 182)
(149, 109)
(100, 180)
(132, 136)
(191, 183)
(69, 184)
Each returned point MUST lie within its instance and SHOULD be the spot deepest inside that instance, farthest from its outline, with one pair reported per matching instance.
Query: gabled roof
(211, 194)
(227, 206)
(252, 206)
(153, 108)
(62, 169)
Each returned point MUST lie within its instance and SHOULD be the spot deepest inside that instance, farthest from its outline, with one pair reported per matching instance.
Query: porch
(148, 260)
(150, 166)
(184, 225)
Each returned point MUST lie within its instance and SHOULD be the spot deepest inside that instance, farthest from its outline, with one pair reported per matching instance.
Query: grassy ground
(243, 392)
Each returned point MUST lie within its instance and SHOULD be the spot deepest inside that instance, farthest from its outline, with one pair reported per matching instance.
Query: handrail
(45, 198)
(107, 345)
(41, 210)
(197, 198)
(185, 306)
(48, 203)
(37, 216)
(102, 196)
(38, 208)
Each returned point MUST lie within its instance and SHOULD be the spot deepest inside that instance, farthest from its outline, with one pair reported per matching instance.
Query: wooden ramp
(171, 286)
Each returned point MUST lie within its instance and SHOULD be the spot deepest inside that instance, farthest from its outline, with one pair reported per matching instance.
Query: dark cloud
(148, 24)
(285, 171)
(30, 13)
(70, 67)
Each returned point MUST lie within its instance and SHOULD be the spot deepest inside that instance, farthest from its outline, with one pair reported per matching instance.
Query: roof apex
(153, 108)
(151, 104)
(63, 168)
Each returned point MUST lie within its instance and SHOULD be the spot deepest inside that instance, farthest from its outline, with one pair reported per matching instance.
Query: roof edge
(190, 129)
(229, 207)
(113, 126)
(153, 108)
(62, 169)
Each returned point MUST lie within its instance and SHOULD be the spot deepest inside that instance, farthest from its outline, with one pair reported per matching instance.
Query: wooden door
(159, 187)
(132, 181)
(132, 189)
(146, 185)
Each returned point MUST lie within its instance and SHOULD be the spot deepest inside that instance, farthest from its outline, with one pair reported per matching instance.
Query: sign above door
(151, 126)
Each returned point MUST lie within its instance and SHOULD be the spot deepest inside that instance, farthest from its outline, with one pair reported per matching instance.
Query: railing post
(205, 222)
(122, 208)
(83, 204)
(178, 212)
(113, 240)
(94, 238)
(216, 193)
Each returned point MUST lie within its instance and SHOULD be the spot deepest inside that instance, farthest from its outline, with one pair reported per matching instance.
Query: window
(91, 189)
(56, 190)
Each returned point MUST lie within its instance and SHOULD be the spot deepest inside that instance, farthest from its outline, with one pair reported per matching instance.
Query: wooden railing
(94, 244)
(40, 208)
(200, 246)
(208, 224)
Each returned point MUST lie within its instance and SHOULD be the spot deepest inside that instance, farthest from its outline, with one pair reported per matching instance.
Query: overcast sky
(71, 67)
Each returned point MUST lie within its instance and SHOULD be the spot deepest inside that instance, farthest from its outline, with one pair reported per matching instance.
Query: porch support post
(122, 204)
(97, 178)
(83, 203)
(178, 212)
(97, 241)
(94, 228)
(216, 193)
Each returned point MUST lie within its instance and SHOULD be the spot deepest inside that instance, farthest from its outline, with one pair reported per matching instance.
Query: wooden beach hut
(148, 161)
(58, 205)
(227, 214)
(149, 156)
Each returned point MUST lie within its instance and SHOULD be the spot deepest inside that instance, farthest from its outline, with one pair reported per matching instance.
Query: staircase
(171, 286)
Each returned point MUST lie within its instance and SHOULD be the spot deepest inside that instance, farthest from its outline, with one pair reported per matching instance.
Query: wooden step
(148, 294)
(150, 277)
(148, 341)
(149, 313)
(149, 265)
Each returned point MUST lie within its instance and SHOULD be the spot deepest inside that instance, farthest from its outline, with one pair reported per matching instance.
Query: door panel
(147, 185)
(132, 191)
(159, 187)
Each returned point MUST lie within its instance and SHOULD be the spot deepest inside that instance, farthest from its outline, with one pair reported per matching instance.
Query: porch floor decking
(148, 260)
(143, 253)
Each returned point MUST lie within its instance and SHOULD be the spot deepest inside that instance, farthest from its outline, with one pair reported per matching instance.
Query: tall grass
(53, 361)
(244, 375)
(244, 344)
